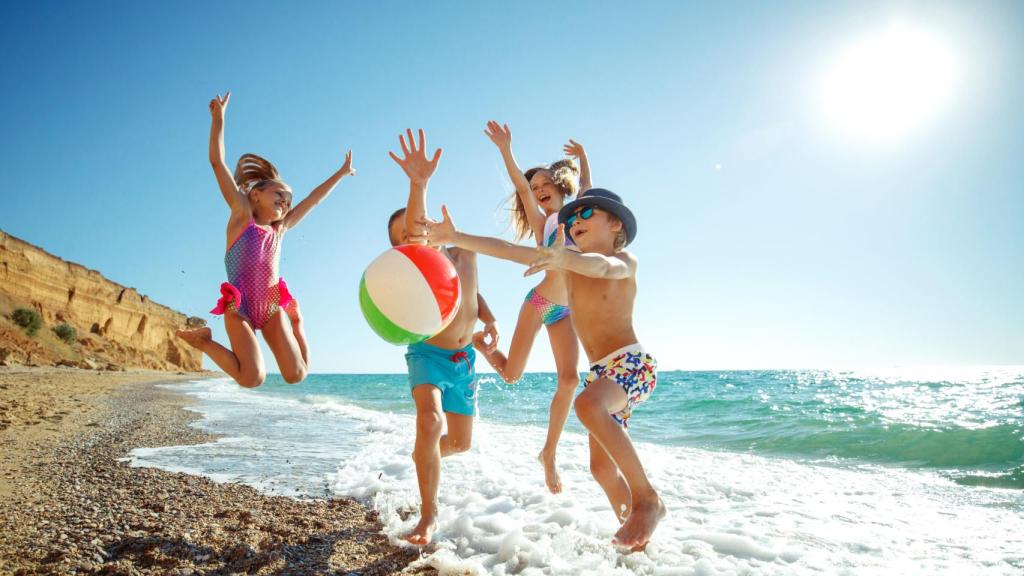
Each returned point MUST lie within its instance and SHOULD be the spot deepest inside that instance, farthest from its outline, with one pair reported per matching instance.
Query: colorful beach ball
(409, 294)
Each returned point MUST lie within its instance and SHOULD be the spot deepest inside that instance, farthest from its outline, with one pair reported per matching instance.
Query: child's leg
(604, 470)
(511, 368)
(298, 329)
(566, 349)
(459, 436)
(279, 337)
(243, 362)
(427, 455)
(594, 407)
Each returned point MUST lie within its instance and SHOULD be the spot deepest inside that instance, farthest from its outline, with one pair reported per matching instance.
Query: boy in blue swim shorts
(441, 374)
(601, 282)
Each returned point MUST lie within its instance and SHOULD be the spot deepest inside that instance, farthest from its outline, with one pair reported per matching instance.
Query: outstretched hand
(414, 161)
(574, 149)
(219, 105)
(499, 134)
(549, 257)
(346, 168)
(437, 233)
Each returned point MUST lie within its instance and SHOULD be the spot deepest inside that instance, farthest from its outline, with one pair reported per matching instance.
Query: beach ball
(409, 293)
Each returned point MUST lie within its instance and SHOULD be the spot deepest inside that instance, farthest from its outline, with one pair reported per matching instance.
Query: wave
(906, 445)
(1012, 478)
(952, 425)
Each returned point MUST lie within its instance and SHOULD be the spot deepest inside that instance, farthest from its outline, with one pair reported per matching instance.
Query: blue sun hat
(605, 200)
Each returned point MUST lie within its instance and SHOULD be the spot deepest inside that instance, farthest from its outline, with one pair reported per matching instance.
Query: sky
(816, 185)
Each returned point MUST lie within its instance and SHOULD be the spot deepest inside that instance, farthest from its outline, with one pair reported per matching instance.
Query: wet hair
(254, 172)
(566, 176)
(394, 216)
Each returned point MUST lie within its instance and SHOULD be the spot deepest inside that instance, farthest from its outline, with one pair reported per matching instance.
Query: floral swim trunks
(631, 368)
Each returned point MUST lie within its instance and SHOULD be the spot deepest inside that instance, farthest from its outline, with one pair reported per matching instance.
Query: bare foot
(293, 312)
(422, 533)
(196, 338)
(643, 519)
(551, 477)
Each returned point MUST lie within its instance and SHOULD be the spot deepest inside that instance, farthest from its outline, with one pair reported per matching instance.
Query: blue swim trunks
(450, 371)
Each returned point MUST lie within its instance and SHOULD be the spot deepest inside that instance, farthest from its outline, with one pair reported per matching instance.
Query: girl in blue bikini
(540, 193)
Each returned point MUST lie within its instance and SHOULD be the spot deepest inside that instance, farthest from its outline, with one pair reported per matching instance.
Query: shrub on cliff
(66, 333)
(27, 319)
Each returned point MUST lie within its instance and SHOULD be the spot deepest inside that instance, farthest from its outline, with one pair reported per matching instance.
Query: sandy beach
(68, 504)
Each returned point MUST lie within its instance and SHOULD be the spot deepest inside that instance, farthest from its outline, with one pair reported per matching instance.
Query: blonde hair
(620, 237)
(566, 176)
(253, 172)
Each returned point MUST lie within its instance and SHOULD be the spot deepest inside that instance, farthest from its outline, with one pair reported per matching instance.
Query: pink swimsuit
(254, 288)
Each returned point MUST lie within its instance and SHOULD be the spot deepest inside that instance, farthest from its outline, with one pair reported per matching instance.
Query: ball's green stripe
(384, 328)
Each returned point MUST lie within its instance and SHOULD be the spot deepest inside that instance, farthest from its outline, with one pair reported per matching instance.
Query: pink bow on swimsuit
(229, 295)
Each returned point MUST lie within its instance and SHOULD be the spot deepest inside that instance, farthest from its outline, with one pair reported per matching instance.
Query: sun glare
(884, 86)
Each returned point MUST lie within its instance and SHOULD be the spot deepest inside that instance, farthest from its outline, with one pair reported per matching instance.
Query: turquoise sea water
(965, 423)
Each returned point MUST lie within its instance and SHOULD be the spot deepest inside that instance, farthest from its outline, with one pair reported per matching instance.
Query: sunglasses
(583, 214)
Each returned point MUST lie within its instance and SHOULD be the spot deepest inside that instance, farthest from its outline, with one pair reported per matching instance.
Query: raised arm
(419, 170)
(575, 149)
(557, 257)
(444, 233)
(295, 215)
(502, 138)
(238, 203)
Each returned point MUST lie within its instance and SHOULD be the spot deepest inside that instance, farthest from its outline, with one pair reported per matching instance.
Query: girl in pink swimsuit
(540, 193)
(255, 297)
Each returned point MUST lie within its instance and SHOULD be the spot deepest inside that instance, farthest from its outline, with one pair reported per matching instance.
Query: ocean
(880, 471)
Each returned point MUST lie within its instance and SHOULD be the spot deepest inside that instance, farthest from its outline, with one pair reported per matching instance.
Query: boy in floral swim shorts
(602, 289)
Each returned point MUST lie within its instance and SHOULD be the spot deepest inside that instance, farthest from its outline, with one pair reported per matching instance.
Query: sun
(889, 84)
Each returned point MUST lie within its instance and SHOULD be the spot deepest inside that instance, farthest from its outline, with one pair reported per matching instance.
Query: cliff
(115, 324)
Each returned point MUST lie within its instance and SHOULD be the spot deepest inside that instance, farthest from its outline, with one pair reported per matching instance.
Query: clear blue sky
(767, 236)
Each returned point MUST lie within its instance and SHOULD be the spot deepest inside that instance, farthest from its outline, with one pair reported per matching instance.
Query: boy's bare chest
(596, 295)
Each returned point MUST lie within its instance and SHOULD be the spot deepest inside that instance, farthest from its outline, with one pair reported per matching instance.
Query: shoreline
(69, 505)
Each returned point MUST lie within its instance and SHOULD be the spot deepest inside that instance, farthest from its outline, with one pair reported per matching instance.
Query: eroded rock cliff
(115, 324)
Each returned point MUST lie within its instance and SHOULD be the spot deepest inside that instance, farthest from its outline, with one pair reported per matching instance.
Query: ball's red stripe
(439, 273)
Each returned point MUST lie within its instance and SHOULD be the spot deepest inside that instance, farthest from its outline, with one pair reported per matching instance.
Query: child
(441, 373)
(255, 295)
(540, 194)
(601, 282)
